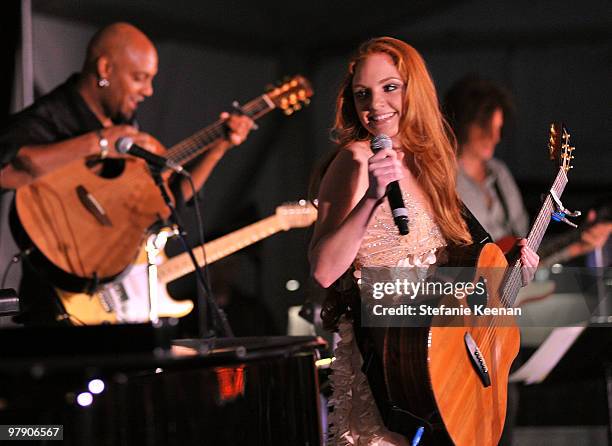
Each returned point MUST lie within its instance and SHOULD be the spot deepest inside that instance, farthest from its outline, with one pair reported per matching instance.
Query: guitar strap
(504, 204)
(479, 234)
(370, 341)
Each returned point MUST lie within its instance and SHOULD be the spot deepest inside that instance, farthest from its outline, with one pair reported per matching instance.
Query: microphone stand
(205, 301)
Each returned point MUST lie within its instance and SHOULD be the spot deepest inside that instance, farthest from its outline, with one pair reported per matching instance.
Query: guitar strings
(188, 148)
(180, 150)
(514, 279)
(511, 280)
(183, 150)
(513, 283)
(254, 109)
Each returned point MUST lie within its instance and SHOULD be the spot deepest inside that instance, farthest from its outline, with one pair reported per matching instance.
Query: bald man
(84, 117)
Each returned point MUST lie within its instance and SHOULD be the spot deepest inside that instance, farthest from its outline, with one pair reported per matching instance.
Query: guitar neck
(198, 143)
(180, 265)
(513, 280)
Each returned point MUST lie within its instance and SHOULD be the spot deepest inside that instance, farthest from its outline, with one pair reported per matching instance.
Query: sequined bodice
(384, 246)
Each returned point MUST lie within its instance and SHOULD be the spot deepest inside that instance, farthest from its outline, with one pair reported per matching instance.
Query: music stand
(588, 357)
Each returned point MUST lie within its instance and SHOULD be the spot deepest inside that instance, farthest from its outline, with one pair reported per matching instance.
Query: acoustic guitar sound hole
(107, 168)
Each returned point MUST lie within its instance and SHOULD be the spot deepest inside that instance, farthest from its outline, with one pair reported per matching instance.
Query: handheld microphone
(394, 193)
(126, 145)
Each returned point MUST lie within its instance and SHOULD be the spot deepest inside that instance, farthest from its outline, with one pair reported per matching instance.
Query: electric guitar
(453, 379)
(81, 228)
(127, 301)
(558, 249)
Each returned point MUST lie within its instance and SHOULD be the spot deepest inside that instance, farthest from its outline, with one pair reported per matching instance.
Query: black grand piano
(134, 385)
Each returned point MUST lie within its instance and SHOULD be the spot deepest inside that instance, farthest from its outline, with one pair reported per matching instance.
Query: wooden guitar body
(430, 372)
(452, 376)
(86, 309)
(69, 212)
(127, 300)
(87, 228)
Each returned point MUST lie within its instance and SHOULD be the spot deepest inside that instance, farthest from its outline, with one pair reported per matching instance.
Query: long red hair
(423, 131)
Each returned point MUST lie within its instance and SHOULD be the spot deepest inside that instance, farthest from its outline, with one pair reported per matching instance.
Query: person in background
(477, 110)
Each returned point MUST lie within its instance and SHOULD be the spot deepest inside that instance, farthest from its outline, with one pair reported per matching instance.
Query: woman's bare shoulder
(347, 173)
(349, 160)
(360, 150)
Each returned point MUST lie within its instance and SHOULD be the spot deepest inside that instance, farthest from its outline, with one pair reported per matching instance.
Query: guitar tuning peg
(307, 101)
(288, 111)
(297, 106)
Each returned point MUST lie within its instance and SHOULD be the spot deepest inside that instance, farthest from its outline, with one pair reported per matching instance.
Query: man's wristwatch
(103, 143)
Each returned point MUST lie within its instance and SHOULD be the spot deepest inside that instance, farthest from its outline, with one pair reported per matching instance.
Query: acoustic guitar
(127, 301)
(453, 377)
(86, 228)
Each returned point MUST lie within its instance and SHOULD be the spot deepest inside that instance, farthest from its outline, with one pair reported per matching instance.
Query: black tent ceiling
(259, 26)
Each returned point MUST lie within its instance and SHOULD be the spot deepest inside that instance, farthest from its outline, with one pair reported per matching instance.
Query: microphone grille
(124, 144)
(380, 142)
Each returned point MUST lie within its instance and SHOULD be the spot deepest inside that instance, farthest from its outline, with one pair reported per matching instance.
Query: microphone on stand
(394, 193)
(126, 145)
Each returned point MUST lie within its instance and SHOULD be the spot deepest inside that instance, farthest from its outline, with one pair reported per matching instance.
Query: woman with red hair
(387, 90)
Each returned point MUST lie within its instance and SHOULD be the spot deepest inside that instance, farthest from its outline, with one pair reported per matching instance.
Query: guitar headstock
(559, 146)
(296, 215)
(290, 95)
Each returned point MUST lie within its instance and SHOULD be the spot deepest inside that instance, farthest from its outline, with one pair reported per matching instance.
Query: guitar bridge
(93, 206)
(477, 359)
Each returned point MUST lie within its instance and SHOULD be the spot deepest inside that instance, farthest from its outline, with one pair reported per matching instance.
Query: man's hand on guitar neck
(238, 127)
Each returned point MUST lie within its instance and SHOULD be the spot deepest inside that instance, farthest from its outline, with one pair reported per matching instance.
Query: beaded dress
(354, 418)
